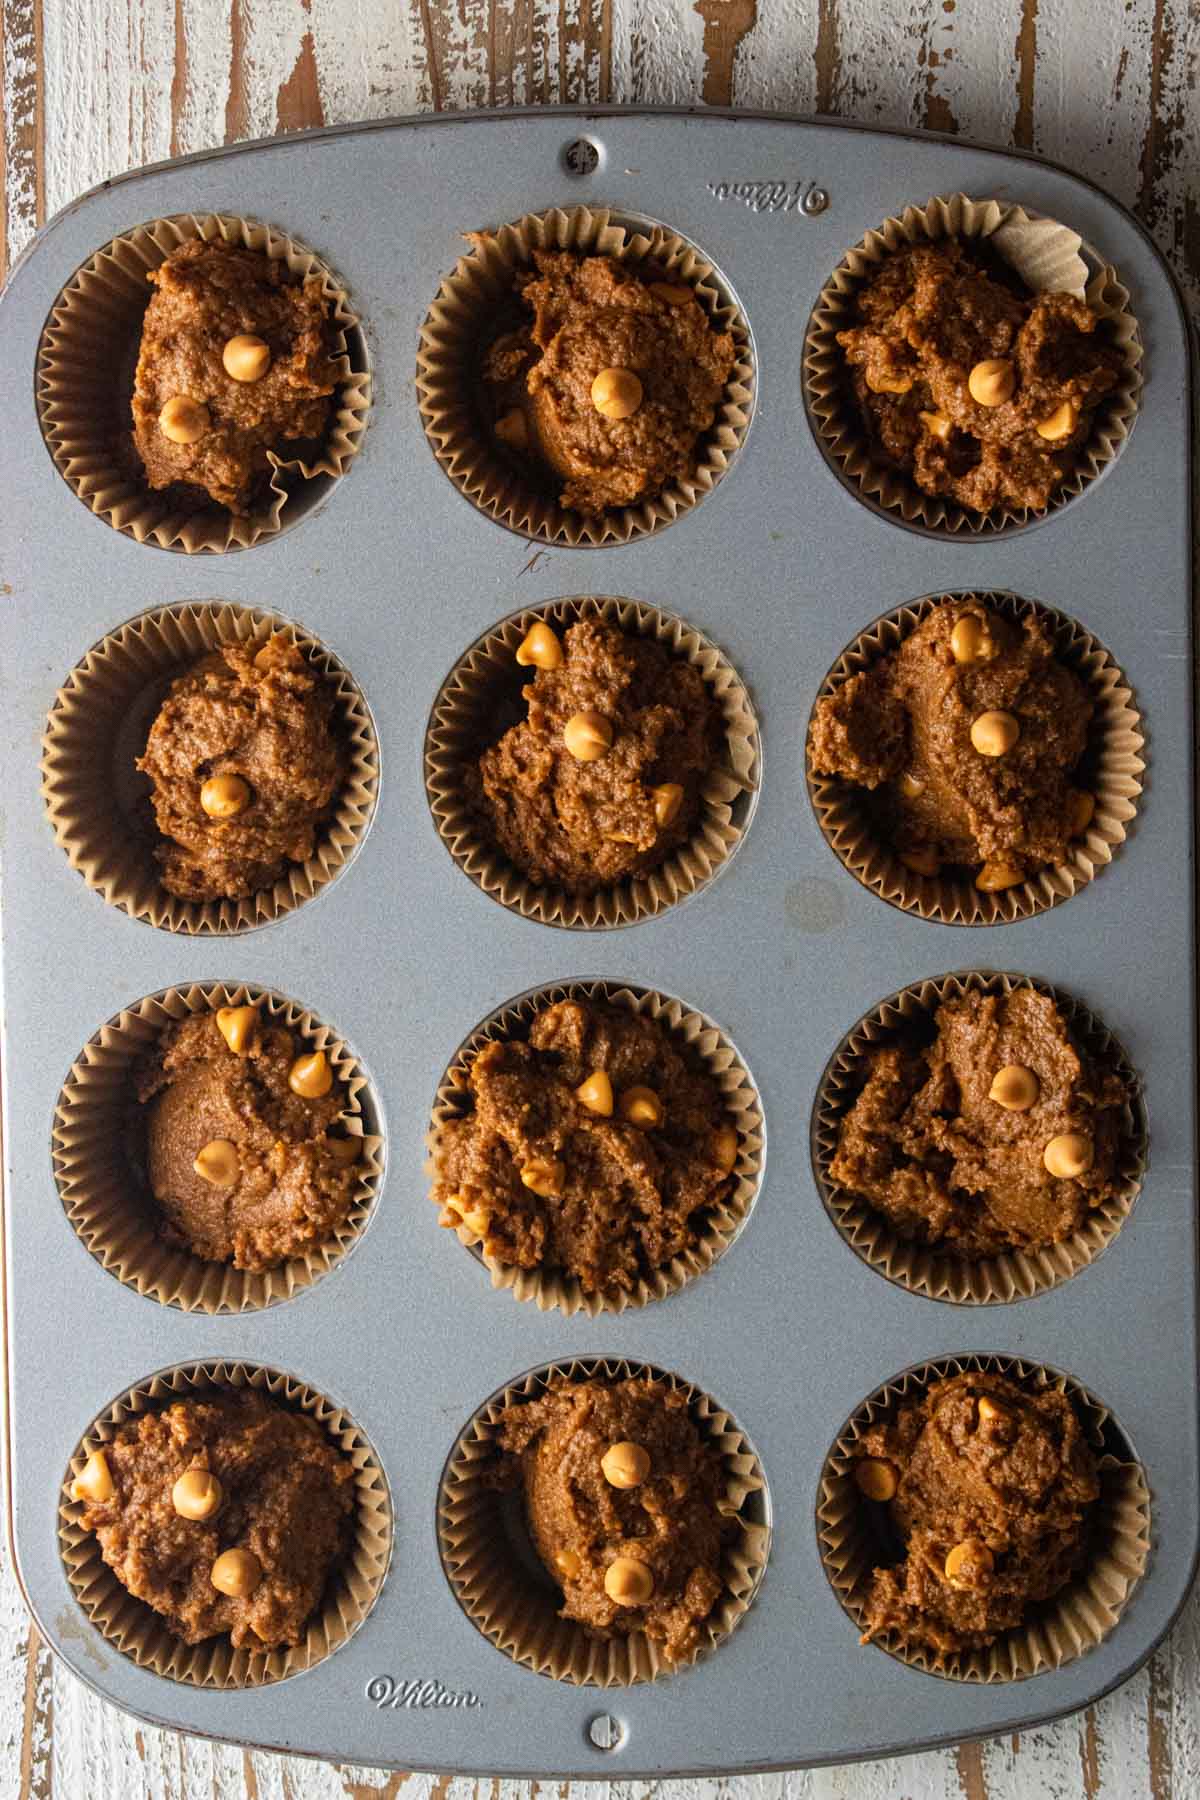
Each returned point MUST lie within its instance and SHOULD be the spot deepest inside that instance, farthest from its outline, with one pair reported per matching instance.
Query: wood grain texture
(92, 87)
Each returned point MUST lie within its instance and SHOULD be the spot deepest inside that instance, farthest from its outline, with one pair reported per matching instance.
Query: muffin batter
(598, 1148)
(969, 740)
(624, 1504)
(245, 768)
(269, 1523)
(976, 387)
(1000, 1134)
(235, 362)
(583, 822)
(238, 1146)
(612, 383)
(990, 1488)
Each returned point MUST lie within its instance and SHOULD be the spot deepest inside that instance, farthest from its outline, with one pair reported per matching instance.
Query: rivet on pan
(815, 201)
(580, 157)
(605, 1732)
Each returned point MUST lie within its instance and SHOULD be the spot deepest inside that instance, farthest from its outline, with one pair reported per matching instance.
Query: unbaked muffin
(245, 764)
(237, 1132)
(970, 743)
(602, 779)
(975, 387)
(989, 1489)
(235, 362)
(227, 1513)
(624, 1503)
(606, 391)
(598, 1148)
(995, 1131)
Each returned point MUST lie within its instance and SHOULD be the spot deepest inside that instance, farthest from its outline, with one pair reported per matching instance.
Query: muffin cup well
(924, 1269)
(470, 714)
(1079, 1617)
(138, 1632)
(1115, 757)
(552, 1288)
(1049, 258)
(450, 339)
(99, 806)
(84, 378)
(104, 1190)
(500, 1582)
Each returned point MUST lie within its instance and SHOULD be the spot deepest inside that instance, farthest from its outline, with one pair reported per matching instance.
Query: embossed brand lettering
(384, 1691)
(767, 196)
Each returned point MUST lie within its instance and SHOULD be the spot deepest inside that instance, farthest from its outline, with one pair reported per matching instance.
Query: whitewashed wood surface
(92, 87)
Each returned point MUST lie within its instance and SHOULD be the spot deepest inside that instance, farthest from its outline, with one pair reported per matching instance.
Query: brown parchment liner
(98, 805)
(140, 1633)
(446, 374)
(1079, 1617)
(924, 1269)
(1048, 257)
(1115, 766)
(84, 379)
(463, 723)
(104, 1191)
(501, 1584)
(552, 1288)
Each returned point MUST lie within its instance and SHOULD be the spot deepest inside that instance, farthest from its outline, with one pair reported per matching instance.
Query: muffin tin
(397, 574)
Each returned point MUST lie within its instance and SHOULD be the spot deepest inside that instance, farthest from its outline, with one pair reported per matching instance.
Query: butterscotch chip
(628, 1582)
(1059, 424)
(1014, 1087)
(668, 798)
(992, 381)
(995, 733)
(311, 1076)
(596, 1093)
(184, 421)
(725, 1147)
(197, 1495)
(972, 639)
(968, 1563)
(875, 1478)
(545, 1176)
(642, 1107)
(246, 357)
(625, 1465)
(998, 873)
(94, 1482)
(218, 1163)
(238, 1025)
(616, 393)
(540, 648)
(588, 736)
(1069, 1155)
(236, 1573)
(921, 862)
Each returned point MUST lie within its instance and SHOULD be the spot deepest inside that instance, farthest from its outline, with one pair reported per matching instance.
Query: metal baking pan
(398, 574)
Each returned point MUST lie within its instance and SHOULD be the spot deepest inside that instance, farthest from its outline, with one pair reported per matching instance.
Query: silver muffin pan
(781, 565)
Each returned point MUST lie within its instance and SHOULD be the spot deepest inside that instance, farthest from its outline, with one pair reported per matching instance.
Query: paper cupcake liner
(99, 806)
(84, 378)
(467, 716)
(104, 1190)
(1049, 258)
(1059, 1630)
(450, 336)
(501, 1584)
(140, 1633)
(552, 1288)
(924, 1269)
(1115, 764)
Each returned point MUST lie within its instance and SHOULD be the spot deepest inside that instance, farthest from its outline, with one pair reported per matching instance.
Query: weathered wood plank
(22, 106)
